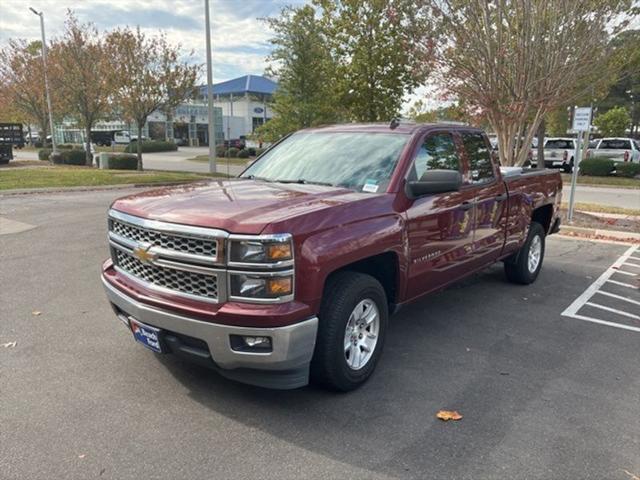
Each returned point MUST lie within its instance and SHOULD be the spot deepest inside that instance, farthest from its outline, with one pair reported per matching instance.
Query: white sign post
(581, 124)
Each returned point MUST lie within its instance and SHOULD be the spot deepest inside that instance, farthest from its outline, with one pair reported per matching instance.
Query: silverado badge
(143, 254)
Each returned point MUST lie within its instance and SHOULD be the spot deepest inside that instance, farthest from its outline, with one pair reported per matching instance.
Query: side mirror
(435, 181)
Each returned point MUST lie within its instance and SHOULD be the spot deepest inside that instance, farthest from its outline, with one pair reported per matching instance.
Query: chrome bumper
(292, 345)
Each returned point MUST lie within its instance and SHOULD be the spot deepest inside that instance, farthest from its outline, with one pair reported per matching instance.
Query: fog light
(250, 343)
(257, 341)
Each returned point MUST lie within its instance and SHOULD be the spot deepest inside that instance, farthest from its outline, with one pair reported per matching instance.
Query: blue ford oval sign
(258, 110)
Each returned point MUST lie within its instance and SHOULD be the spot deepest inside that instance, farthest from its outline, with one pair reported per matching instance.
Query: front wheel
(351, 331)
(524, 266)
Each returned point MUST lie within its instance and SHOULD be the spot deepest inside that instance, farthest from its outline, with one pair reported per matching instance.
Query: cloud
(240, 40)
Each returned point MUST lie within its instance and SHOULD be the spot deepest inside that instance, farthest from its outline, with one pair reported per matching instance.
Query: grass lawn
(112, 148)
(595, 207)
(69, 176)
(619, 182)
(222, 160)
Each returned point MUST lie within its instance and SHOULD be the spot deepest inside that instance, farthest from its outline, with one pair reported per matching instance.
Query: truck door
(439, 226)
(490, 198)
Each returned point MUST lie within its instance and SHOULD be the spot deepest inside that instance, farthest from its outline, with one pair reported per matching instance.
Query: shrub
(37, 144)
(233, 152)
(119, 161)
(597, 167)
(259, 151)
(629, 170)
(43, 154)
(252, 151)
(67, 146)
(221, 151)
(244, 153)
(152, 146)
(70, 157)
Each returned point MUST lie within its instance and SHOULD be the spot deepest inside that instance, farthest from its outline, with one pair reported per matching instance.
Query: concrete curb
(28, 191)
(600, 233)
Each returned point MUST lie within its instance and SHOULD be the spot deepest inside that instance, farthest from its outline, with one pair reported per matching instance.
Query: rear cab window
(614, 144)
(480, 162)
(559, 145)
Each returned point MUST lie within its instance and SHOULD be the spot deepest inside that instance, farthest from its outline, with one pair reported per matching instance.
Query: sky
(240, 40)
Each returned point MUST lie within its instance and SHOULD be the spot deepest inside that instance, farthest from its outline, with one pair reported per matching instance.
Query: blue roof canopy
(241, 85)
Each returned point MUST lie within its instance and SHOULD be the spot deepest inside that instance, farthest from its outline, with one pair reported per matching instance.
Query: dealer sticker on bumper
(146, 335)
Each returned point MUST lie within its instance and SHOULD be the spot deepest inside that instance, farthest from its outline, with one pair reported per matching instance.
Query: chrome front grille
(190, 283)
(186, 244)
(168, 257)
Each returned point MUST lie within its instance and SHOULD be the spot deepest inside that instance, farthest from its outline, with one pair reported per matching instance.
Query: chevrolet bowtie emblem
(144, 255)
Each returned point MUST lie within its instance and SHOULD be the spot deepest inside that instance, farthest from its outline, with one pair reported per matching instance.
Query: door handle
(466, 205)
(500, 198)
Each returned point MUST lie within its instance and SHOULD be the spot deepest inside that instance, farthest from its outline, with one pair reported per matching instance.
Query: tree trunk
(87, 145)
(139, 144)
(540, 133)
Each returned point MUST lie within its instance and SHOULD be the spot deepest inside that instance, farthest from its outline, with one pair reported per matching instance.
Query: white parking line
(613, 310)
(622, 284)
(619, 297)
(631, 264)
(594, 288)
(626, 273)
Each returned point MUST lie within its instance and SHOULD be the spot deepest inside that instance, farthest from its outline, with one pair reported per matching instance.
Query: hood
(237, 206)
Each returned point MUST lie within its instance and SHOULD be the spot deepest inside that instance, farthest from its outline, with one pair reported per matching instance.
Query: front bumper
(286, 366)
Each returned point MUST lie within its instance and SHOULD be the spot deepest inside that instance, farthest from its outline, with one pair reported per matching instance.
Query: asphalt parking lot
(545, 391)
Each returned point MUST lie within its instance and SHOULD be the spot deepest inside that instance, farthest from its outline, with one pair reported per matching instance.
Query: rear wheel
(524, 266)
(351, 331)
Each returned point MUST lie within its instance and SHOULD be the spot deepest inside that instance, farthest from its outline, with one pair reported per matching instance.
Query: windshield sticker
(370, 186)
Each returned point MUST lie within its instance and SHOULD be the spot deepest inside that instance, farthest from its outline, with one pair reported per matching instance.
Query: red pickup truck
(291, 271)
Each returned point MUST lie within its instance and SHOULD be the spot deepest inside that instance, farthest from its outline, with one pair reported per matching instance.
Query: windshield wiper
(253, 177)
(306, 182)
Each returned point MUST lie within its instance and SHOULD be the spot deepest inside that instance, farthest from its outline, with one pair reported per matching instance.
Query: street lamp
(46, 80)
(212, 131)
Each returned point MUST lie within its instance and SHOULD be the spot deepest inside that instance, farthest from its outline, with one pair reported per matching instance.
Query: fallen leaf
(633, 477)
(81, 456)
(9, 344)
(446, 415)
(35, 313)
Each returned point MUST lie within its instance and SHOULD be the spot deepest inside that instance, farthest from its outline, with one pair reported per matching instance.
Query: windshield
(356, 160)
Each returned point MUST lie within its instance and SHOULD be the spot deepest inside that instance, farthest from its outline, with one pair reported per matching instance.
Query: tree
(22, 83)
(80, 70)
(614, 122)
(517, 60)
(302, 61)
(625, 91)
(383, 53)
(419, 112)
(147, 75)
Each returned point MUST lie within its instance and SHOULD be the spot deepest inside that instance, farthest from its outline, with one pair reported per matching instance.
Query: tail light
(564, 156)
(626, 156)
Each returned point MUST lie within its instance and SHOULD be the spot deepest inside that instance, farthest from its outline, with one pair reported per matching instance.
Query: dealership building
(240, 106)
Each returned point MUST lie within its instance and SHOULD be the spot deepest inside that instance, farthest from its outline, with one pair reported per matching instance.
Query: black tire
(342, 294)
(516, 267)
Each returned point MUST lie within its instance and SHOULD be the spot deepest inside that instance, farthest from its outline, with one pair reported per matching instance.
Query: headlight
(250, 286)
(273, 249)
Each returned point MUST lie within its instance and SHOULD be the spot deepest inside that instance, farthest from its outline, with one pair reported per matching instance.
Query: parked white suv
(616, 149)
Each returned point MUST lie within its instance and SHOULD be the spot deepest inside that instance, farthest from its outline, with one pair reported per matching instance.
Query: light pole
(212, 130)
(46, 81)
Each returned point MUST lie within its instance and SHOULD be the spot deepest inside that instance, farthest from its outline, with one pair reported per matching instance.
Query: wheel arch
(384, 267)
(543, 216)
